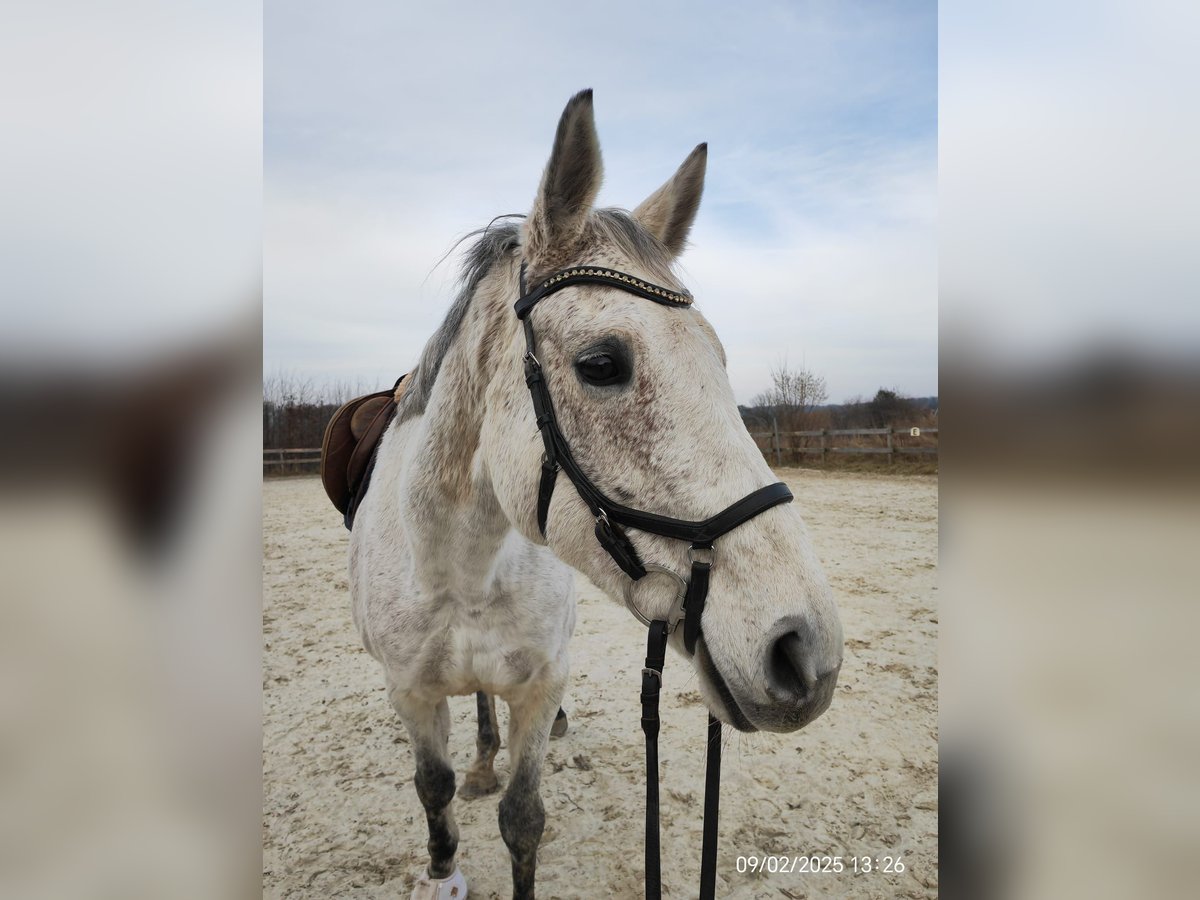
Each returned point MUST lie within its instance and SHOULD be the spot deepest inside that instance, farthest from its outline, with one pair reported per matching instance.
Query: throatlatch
(612, 519)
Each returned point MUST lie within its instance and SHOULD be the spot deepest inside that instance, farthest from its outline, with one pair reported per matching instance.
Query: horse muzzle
(798, 683)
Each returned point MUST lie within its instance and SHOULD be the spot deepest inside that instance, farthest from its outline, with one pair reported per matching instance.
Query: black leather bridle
(612, 519)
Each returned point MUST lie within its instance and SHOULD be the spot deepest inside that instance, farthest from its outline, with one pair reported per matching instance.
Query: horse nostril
(790, 673)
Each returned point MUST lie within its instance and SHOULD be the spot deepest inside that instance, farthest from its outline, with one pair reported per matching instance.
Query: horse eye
(601, 369)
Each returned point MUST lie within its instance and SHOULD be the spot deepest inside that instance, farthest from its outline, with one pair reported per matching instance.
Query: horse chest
(458, 645)
(483, 649)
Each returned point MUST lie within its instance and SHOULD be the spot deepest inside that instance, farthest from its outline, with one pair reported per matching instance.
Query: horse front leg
(428, 727)
(522, 816)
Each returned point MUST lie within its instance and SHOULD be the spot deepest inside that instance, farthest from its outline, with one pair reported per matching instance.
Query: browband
(631, 284)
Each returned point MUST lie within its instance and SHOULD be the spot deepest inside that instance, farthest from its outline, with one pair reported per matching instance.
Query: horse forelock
(616, 227)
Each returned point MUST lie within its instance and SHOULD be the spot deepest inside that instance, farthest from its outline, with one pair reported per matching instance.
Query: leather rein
(612, 519)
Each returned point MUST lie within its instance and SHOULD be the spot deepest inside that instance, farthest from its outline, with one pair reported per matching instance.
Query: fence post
(891, 444)
(778, 452)
(824, 446)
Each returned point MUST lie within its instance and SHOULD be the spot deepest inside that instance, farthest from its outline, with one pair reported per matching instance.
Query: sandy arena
(341, 817)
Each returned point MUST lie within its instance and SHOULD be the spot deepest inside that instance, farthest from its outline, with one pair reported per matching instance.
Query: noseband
(612, 519)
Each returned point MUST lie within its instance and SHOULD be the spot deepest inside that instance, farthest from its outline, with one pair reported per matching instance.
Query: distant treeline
(886, 408)
(296, 411)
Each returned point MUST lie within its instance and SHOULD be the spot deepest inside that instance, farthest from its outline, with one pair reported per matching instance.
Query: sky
(390, 130)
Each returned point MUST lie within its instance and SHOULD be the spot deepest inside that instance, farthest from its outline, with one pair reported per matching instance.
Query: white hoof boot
(452, 888)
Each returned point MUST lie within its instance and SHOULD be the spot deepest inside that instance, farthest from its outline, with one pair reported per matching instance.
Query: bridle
(611, 520)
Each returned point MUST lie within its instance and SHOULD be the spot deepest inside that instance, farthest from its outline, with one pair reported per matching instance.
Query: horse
(462, 565)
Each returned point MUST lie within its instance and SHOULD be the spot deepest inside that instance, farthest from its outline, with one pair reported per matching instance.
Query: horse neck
(449, 497)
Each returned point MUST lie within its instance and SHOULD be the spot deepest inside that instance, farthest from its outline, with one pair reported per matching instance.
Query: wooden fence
(291, 462)
(889, 441)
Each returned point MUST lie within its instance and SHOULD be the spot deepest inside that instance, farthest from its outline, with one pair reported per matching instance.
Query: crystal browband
(599, 275)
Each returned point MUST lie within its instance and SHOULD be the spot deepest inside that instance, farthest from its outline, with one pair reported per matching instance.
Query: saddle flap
(349, 443)
(361, 418)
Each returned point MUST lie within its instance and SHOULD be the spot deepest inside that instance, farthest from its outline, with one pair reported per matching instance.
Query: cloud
(388, 135)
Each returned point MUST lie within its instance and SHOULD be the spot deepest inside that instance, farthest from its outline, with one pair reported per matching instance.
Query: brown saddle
(348, 449)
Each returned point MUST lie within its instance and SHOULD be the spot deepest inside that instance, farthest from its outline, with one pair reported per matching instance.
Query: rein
(612, 519)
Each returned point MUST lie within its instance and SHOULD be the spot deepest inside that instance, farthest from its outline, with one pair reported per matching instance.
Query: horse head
(641, 395)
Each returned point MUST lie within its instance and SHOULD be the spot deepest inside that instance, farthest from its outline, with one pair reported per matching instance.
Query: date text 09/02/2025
(819, 865)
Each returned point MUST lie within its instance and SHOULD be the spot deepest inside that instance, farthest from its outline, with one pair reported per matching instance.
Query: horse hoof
(452, 888)
(559, 728)
(479, 785)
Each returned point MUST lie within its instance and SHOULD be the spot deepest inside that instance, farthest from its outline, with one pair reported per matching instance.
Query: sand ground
(341, 817)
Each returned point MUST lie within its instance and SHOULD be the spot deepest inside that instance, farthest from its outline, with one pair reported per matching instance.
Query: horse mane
(498, 239)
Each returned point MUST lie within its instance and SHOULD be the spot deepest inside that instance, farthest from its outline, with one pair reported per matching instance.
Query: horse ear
(569, 184)
(668, 213)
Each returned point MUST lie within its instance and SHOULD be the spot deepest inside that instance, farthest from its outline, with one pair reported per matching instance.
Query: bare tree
(296, 409)
(793, 395)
